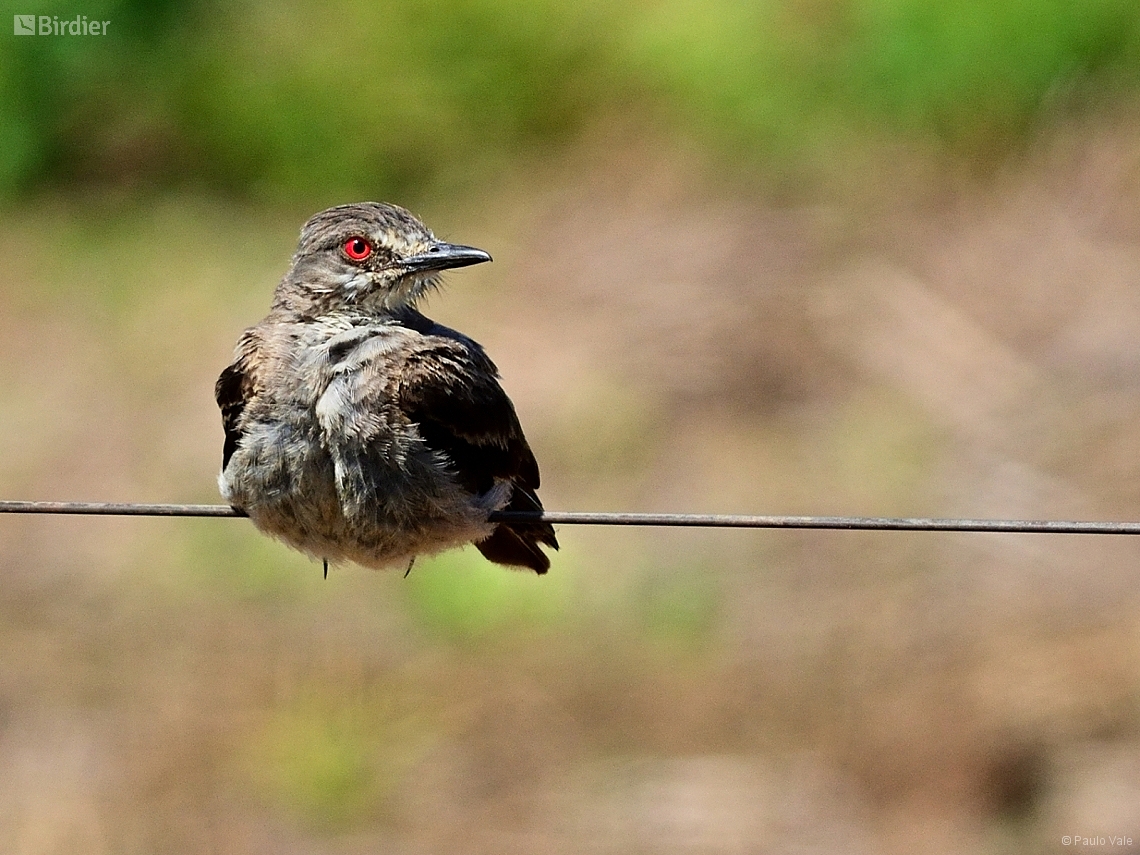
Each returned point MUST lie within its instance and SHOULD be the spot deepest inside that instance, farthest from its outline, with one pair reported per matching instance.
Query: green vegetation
(283, 100)
(459, 596)
(331, 762)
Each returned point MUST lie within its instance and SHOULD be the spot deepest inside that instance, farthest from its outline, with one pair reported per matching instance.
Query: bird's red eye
(357, 249)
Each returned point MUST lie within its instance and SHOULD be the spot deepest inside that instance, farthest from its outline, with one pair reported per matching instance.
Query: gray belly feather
(329, 464)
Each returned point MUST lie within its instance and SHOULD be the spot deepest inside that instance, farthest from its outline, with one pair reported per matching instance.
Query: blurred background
(871, 257)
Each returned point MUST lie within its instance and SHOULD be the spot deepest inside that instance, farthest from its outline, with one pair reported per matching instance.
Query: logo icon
(24, 25)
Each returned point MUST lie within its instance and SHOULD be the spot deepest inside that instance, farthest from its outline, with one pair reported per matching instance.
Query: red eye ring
(357, 248)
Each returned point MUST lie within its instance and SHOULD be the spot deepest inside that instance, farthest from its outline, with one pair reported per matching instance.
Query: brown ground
(914, 344)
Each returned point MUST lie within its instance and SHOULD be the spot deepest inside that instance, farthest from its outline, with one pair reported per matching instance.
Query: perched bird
(357, 428)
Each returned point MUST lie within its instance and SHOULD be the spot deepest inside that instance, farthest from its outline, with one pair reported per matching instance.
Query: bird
(358, 429)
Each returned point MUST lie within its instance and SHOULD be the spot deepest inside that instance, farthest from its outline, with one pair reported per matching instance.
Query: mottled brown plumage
(357, 428)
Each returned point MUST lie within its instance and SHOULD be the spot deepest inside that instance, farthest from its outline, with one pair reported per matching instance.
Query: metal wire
(126, 509)
(691, 520)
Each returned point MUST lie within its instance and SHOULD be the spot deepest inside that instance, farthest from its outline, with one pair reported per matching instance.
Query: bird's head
(369, 254)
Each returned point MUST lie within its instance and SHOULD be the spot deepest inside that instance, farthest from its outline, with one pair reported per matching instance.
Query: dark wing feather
(450, 389)
(233, 390)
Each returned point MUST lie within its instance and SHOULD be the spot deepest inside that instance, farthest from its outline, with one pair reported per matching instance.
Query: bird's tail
(516, 544)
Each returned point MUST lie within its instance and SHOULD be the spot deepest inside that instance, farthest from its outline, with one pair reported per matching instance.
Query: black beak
(444, 256)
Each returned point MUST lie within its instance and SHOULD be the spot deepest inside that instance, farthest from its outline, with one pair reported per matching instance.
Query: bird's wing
(450, 389)
(234, 388)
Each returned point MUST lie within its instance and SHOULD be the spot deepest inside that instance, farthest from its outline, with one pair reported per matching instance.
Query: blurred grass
(790, 77)
(459, 596)
(331, 100)
(333, 764)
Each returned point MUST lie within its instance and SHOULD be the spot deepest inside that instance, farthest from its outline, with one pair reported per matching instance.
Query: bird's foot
(409, 570)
